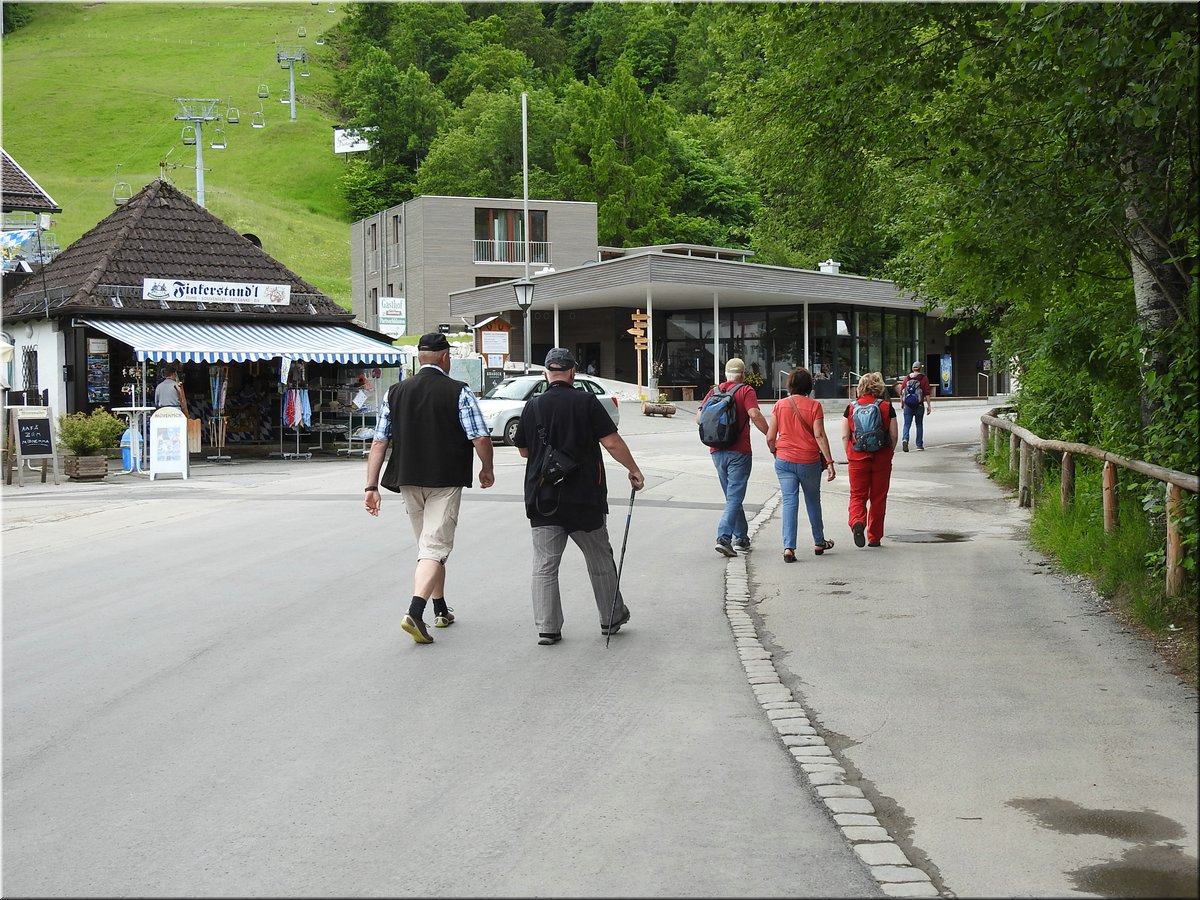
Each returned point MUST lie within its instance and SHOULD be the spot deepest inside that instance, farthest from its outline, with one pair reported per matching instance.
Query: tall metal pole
(198, 111)
(292, 86)
(200, 162)
(525, 179)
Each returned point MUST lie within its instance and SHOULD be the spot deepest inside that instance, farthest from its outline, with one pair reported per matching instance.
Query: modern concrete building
(451, 262)
(406, 260)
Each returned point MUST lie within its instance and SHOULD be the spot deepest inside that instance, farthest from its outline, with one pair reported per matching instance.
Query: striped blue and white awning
(245, 342)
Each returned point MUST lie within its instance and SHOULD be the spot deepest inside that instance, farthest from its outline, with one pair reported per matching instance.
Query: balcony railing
(512, 251)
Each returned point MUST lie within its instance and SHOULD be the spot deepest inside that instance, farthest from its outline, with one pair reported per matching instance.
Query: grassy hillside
(89, 86)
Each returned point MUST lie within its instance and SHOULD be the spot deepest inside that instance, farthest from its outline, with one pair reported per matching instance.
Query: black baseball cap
(560, 360)
(434, 341)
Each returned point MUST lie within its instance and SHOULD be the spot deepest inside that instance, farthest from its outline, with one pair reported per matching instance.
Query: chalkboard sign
(31, 436)
(34, 434)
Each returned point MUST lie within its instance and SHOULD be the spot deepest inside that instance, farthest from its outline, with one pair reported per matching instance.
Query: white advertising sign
(493, 342)
(393, 315)
(495, 361)
(216, 291)
(168, 442)
(352, 140)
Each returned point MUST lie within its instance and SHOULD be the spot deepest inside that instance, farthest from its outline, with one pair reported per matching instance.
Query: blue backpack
(912, 391)
(719, 418)
(866, 426)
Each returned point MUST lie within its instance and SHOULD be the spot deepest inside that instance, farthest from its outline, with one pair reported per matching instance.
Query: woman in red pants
(869, 435)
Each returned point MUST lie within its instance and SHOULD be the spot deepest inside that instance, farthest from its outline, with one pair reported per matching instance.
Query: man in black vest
(575, 424)
(436, 422)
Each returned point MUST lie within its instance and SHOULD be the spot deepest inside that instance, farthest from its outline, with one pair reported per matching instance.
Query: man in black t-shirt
(575, 504)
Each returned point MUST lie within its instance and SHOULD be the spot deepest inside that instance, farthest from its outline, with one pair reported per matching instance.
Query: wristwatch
(371, 488)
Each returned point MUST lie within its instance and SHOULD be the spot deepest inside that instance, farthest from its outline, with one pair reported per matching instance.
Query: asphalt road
(207, 693)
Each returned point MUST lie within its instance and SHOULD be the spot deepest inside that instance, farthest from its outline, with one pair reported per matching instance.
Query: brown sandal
(821, 548)
(789, 555)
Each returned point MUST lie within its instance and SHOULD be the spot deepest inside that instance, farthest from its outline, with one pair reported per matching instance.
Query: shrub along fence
(1025, 455)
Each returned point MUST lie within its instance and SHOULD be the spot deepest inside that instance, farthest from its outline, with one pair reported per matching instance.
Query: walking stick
(617, 591)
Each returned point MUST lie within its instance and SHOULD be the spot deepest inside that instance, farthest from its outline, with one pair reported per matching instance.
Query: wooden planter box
(85, 468)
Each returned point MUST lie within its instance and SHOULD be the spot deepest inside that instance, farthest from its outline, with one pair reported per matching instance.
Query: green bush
(89, 435)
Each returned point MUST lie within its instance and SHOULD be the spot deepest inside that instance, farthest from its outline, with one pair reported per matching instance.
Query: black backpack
(719, 418)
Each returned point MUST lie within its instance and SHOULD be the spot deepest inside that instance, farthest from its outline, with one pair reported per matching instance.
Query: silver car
(502, 405)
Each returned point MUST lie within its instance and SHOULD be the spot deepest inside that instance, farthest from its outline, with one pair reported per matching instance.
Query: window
(372, 248)
(500, 236)
(29, 369)
(396, 230)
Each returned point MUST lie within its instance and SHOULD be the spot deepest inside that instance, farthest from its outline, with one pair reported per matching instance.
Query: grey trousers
(549, 542)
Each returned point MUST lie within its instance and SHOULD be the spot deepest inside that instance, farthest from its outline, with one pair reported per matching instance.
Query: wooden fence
(1025, 455)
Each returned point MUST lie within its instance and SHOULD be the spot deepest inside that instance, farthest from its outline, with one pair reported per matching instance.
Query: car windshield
(510, 389)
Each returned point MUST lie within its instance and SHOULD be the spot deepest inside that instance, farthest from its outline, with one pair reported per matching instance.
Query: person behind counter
(170, 392)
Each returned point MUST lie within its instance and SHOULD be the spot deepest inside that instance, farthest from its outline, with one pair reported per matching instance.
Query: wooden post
(1067, 491)
(1175, 573)
(1111, 517)
(1014, 450)
(1024, 494)
(1036, 461)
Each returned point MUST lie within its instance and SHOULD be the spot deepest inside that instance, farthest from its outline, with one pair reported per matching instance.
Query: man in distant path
(916, 403)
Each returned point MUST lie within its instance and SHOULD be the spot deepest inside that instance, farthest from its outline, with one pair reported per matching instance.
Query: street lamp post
(524, 292)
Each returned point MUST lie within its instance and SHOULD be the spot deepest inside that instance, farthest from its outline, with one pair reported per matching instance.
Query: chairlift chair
(232, 115)
(258, 120)
(218, 139)
(122, 193)
(320, 40)
(188, 135)
(301, 31)
(263, 91)
(304, 70)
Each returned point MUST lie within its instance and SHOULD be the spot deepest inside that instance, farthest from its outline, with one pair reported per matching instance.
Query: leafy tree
(428, 36)
(479, 153)
(617, 153)
(16, 15)
(491, 67)
(405, 111)
(1004, 159)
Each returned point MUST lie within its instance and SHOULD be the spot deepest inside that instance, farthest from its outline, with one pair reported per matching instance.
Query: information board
(468, 370)
(168, 442)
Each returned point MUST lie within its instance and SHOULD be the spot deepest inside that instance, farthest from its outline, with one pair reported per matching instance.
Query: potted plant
(87, 437)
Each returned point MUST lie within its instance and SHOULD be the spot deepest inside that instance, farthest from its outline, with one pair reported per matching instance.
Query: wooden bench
(686, 391)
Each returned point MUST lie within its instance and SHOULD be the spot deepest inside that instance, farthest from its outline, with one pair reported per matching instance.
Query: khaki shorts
(433, 512)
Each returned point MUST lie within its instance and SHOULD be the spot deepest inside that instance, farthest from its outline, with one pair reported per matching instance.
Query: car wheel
(510, 432)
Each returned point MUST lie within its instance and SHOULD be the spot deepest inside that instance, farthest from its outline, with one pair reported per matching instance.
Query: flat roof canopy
(238, 342)
(673, 281)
